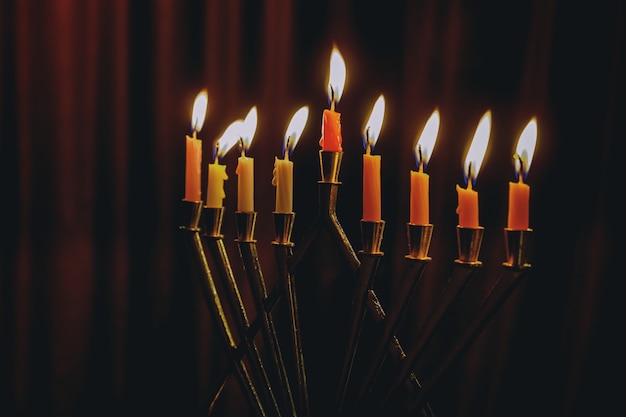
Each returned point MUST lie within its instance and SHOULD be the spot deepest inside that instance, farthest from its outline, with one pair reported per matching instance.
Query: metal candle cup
(193, 212)
(419, 236)
(469, 240)
(330, 162)
(372, 235)
(246, 221)
(283, 226)
(517, 244)
(213, 221)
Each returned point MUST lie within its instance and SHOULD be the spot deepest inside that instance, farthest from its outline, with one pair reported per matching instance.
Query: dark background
(100, 310)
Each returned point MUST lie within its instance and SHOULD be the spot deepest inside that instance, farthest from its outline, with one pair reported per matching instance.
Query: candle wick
(332, 97)
(193, 135)
(519, 167)
(420, 158)
(286, 150)
(242, 147)
(469, 176)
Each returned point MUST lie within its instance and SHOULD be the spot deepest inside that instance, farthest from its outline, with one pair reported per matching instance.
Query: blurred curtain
(99, 310)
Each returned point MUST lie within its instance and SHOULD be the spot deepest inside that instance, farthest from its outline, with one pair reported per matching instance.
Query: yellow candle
(419, 207)
(245, 165)
(193, 160)
(245, 184)
(215, 188)
(371, 187)
(283, 181)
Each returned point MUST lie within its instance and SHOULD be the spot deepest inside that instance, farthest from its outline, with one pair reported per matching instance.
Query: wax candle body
(331, 131)
(419, 204)
(215, 186)
(245, 184)
(519, 194)
(468, 206)
(371, 187)
(283, 181)
(193, 169)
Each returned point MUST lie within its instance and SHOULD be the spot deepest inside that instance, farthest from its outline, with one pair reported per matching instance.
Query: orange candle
(419, 201)
(519, 193)
(467, 208)
(193, 160)
(371, 163)
(419, 207)
(331, 120)
(371, 187)
(331, 130)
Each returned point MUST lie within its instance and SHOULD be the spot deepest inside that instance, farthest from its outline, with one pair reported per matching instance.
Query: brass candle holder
(469, 240)
(419, 238)
(214, 241)
(246, 244)
(283, 249)
(213, 300)
(370, 255)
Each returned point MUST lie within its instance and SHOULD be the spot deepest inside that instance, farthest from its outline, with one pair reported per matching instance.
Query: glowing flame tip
(199, 111)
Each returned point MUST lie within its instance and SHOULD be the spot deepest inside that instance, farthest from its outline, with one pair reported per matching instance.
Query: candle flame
(295, 128)
(228, 139)
(374, 123)
(477, 149)
(426, 142)
(249, 128)
(337, 76)
(526, 148)
(199, 111)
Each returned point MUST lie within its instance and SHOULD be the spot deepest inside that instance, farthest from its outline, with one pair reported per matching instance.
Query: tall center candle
(193, 158)
(419, 201)
(371, 163)
(331, 120)
(283, 168)
(519, 193)
(245, 166)
(467, 208)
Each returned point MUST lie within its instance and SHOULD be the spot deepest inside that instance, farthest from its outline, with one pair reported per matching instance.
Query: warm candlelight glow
(374, 123)
(282, 176)
(228, 139)
(426, 143)
(199, 111)
(476, 153)
(336, 77)
(193, 156)
(519, 193)
(294, 130)
(371, 163)
(525, 148)
(419, 202)
(468, 198)
(248, 128)
(245, 164)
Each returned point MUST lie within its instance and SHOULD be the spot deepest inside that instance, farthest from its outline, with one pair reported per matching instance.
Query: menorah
(275, 372)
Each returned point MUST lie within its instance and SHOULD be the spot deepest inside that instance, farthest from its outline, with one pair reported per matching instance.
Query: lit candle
(245, 165)
(419, 202)
(468, 198)
(519, 193)
(193, 164)
(331, 120)
(283, 168)
(371, 163)
(217, 172)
